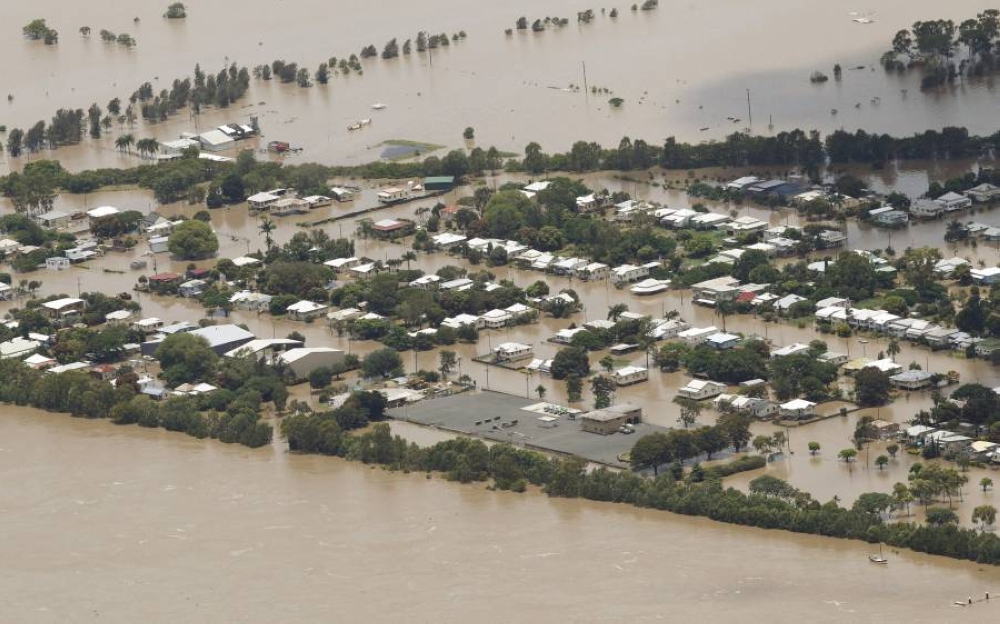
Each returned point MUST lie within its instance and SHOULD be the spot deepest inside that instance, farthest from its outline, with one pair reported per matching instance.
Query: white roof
(509, 347)
(535, 187)
(245, 261)
(700, 384)
(630, 370)
(18, 346)
(102, 211)
(59, 304)
(52, 215)
(722, 337)
(917, 430)
(448, 238)
(798, 404)
(263, 197)
(791, 349)
(950, 197)
(339, 262)
(305, 306)
(118, 315)
(215, 137)
(260, 344)
(430, 278)
(293, 355)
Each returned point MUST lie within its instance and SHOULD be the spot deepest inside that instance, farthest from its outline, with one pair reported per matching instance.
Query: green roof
(440, 180)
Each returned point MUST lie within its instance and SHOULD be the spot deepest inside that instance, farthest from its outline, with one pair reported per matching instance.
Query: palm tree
(615, 312)
(407, 258)
(85, 31)
(893, 348)
(125, 142)
(724, 309)
(266, 227)
(147, 147)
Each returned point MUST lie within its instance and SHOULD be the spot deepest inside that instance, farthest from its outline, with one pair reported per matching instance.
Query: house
(888, 216)
(628, 273)
(626, 210)
(785, 303)
(57, 263)
(586, 203)
(986, 276)
(53, 219)
(926, 209)
(667, 329)
(18, 347)
(886, 366)
(610, 419)
(946, 268)
(344, 315)
(8, 246)
(426, 282)
(797, 409)
(983, 193)
(306, 310)
(287, 206)
(722, 341)
(708, 220)
(650, 286)
(696, 335)
(159, 244)
(392, 195)
(741, 183)
(460, 320)
(832, 357)
(599, 324)
(362, 271)
(512, 352)
(175, 148)
(714, 291)
(249, 300)
(565, 336)
(263, 348)
(495, 319)
(939, 338)
(757, 408)
(831, 238)
(948, 441)
(304, 360)
(215, 141)
(192, 288)
(678, 218)
(223, 338)
(918, 433)
(392, 228)
(61, 308)
(792, 349)
(745, 224)
(952, 201)
(147, 325)
(593, 271)
(981, 450)
(342, 194)
(262, 201)
(699, 389)
(912, 379)
(35, 361)
(101, 212)
(341, 264)
(447, 240)
(457, 284)
(630, 375)
(986, 347)
(885, 429)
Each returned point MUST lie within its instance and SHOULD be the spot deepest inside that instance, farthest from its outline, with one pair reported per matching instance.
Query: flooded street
(156, 526)
(680, 69)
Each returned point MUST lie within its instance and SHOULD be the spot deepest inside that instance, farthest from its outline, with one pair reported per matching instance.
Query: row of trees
(771, 504)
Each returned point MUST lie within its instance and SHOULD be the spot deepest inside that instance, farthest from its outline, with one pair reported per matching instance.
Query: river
(109, 524)
(680, 69)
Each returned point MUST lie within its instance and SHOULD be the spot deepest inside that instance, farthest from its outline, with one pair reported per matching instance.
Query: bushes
(743, 464)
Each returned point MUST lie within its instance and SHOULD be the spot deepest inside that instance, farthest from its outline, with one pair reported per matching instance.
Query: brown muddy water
(115, 524)
(679, 69)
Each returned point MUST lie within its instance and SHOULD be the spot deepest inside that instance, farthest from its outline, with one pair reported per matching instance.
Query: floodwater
(122, 525)
(680, 69)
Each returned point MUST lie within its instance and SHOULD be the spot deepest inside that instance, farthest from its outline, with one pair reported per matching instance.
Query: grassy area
(407, 149)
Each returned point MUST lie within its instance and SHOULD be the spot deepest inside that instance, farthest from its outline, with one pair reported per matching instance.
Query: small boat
(879, 558)
(353, 127)
(365, 122)
(378, 106)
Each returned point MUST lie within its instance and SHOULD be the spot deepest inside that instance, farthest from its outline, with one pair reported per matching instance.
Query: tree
(893, 348)
(615, 312)
(320, 378)
(607, 363)
(986, 483)
(814, 448)
(847, 454)
(185, 357)
(469, 133)
(881, 461)
(903, 496)
(176, 11)
(574, 388)
(540, 391)
(193, 240)
(762, 444)
(690, 410)
(447, 361)
(383, 363)
(892, 449)
(266, 227)
(570, 361)
(939, 516)
(736, 428)
(125, 142)
(603, 388)
(871, 387)
(986, 515)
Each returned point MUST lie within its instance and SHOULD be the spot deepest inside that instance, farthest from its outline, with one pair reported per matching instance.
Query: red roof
(746, 296)
(164, 277)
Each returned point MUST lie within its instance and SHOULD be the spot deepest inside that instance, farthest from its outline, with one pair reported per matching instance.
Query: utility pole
(749, 110)
(585, 89)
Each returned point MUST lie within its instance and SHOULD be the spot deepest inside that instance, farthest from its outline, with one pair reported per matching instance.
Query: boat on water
(879, 558)
(360, 124)
(353, 127)
(378, 106)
